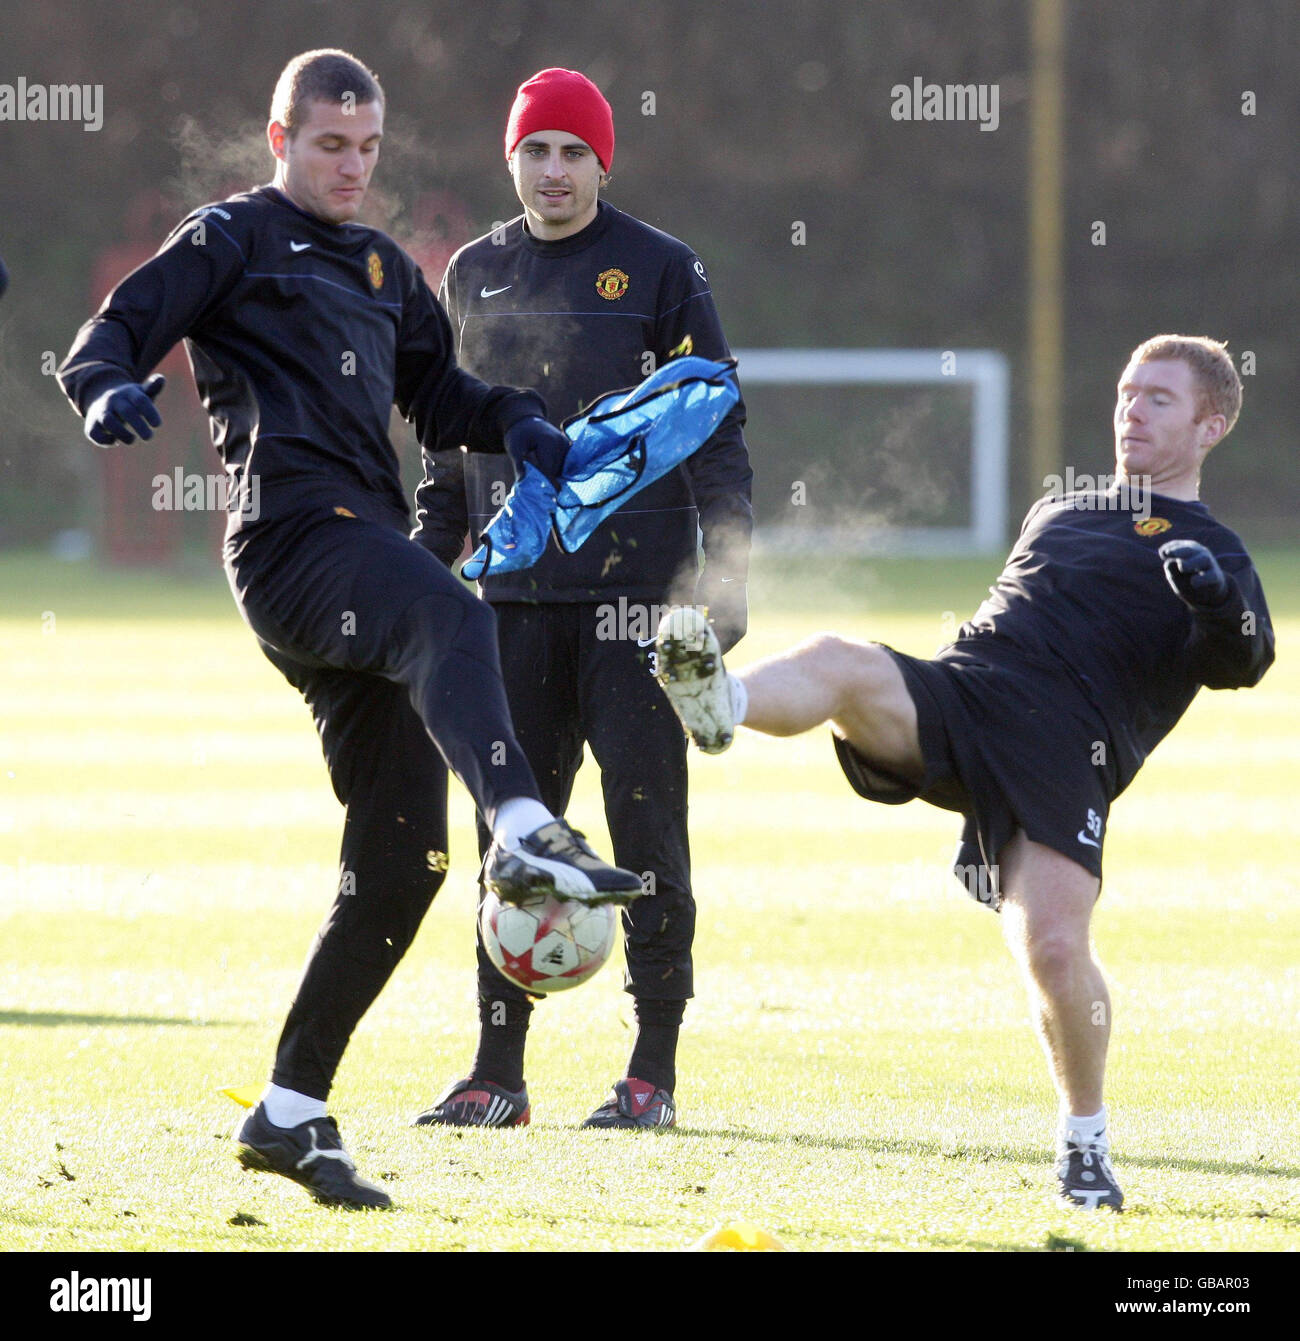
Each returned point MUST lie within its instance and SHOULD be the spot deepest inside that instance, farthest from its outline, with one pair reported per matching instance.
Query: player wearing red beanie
(559, 145)
(576, 298)
(558, 99)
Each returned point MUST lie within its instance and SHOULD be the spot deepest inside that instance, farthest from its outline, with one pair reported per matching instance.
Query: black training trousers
(398, 663)
(568, 684)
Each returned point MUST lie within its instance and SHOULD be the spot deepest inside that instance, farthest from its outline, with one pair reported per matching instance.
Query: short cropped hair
(327, 75)
(1218, 387)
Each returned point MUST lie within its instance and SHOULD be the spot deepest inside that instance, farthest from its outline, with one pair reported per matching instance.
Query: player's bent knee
(1058, 953)
(1053, 954)
(440, 623)
(479, 621)
(874, 709)
(850, 668)
(823, 648)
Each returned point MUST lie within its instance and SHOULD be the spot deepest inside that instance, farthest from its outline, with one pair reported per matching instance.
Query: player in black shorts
(1044, 708)
(303, 330)
(576, 298)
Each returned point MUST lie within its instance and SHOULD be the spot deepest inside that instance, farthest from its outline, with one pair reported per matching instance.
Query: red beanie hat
(562, 100)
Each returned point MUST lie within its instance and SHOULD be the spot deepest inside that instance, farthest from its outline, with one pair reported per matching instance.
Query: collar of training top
(579, 241)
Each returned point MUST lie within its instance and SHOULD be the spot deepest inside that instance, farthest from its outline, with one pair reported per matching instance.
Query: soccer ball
(546, 944)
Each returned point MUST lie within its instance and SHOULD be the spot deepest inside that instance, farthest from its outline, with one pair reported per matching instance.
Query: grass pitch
(857, 1070)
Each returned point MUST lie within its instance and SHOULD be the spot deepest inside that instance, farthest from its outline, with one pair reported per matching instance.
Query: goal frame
(985, 371)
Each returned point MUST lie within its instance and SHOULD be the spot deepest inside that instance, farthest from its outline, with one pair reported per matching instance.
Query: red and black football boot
(477, 1103)
(635, 1104)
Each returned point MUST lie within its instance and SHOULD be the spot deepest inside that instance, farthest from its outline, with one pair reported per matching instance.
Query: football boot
(632, 1104)
(477, 1103)
(312, 1154)
(688, 666)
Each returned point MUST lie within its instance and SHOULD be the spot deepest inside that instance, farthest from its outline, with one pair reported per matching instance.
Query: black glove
(124, 409)
(537, 440)
(1194, 573)
(728, 606)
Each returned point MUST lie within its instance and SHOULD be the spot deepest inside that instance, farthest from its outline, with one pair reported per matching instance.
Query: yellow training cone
(738, 1236)
(244, 1095)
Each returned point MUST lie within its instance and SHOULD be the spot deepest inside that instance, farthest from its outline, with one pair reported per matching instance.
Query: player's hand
(1194, 573)
(539, 441)
(727, 602)
(125, 411)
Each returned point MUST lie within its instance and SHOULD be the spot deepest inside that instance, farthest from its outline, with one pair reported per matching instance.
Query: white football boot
(688, 666)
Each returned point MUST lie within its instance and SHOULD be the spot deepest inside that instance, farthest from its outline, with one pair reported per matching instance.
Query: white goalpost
(985, 371)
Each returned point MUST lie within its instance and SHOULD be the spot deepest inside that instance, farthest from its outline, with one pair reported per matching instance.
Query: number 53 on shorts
(1091, 831)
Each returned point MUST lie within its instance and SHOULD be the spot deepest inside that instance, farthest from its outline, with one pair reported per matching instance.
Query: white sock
(739, 698)
(1084, 1130)
(288, 1108)
(517, 818)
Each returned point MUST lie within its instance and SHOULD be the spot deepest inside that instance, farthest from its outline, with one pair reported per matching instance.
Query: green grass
(857, 1070)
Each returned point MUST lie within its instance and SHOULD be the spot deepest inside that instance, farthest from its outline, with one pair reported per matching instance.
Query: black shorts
(1009, 746)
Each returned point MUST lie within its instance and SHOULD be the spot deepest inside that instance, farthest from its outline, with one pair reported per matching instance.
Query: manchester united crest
(611, 284)
(1151, 525)
(375, 268)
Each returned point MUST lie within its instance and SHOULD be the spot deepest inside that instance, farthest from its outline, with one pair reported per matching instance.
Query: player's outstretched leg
(446, 641)
(423, 630)
(856, 687)
(312, 1154)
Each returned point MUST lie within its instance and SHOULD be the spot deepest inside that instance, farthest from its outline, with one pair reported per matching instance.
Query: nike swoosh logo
(644, 642)
(1092, 842)
(485, 292)
(299, 246)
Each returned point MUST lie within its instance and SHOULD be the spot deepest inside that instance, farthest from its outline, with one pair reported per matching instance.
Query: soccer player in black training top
(576, 298)
(303, 329)
(1046, 705)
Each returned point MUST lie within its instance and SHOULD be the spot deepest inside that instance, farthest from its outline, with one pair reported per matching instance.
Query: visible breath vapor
(213, 164)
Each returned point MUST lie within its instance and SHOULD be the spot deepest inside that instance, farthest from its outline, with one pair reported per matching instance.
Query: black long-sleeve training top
(302, 335)
(1084, 590)
(576, 318)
